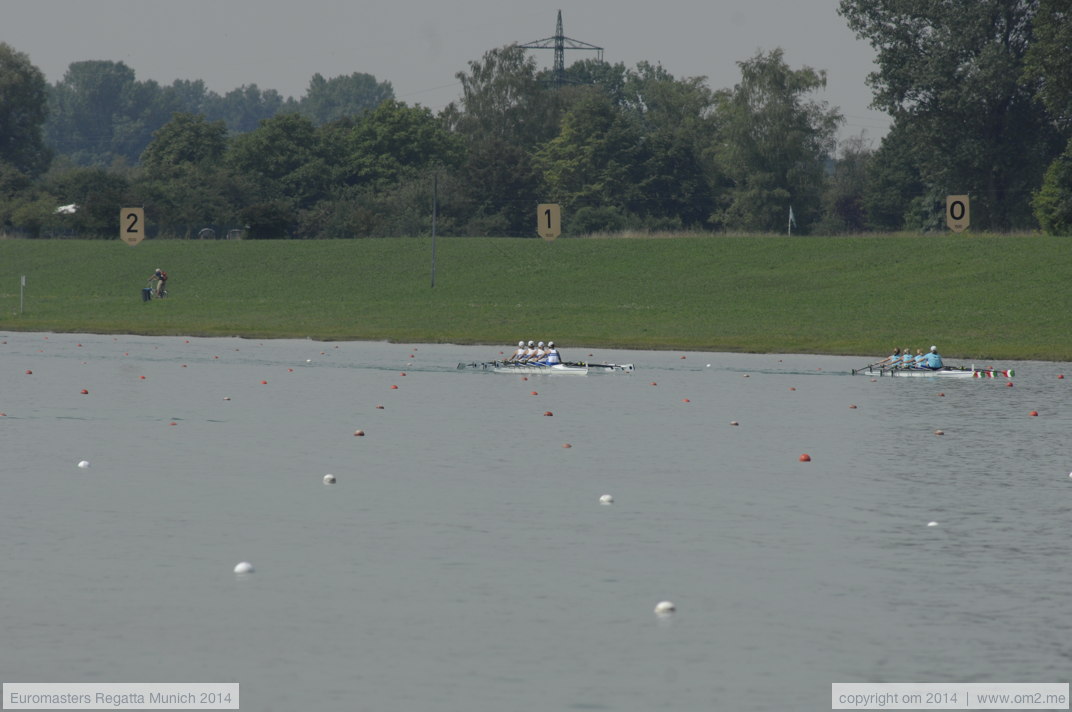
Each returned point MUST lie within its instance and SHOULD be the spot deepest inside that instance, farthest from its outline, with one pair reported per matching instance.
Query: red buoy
(805, 457)
(1033, 413)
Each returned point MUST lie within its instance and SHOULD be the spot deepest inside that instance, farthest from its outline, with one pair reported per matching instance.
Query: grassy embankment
(977, 297)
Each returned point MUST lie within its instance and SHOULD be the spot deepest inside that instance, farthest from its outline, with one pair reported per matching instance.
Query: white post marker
(22, 288)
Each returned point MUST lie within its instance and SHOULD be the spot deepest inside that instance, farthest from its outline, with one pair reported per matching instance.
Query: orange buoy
(939, 432)
(402, 374)
(173, 423)
(1060, 375)
(734, 422)
(685, 400)
(1033, 413)
(566, 445)
(379, 407)
(534, 393)
(654, 383)
(264, 383)
(548, 413)
(142, 378)
(1009, 384)
(941, 395)
(394, 388)
(86, 393)
(290, 370)
(359, 433)
(29, 372)
(791, 388)
(682, 357)
(805, 457)
(852, 407)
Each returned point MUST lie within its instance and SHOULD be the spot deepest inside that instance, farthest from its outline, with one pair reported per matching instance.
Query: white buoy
(84, 464)
(243, 567)
(932, 524)
(709, 365)
(665, 608)
(329, 479)
(606, 499)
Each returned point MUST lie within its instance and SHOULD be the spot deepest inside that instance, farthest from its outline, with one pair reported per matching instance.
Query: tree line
(979, 92)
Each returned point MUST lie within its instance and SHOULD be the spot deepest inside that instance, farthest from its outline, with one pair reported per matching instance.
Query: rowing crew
(543, 355)
(899, 359)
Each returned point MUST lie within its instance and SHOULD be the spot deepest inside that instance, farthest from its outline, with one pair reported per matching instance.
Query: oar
(868, 367)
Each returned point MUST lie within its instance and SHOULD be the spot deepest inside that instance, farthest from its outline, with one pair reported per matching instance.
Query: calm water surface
(463, 561)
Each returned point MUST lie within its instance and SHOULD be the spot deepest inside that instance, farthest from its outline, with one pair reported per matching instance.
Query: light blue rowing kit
(933, 360)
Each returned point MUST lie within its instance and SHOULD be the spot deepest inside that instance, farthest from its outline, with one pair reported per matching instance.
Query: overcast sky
(419, 45)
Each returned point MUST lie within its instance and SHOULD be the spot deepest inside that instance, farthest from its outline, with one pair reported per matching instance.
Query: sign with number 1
(132, 225)
(548, 220)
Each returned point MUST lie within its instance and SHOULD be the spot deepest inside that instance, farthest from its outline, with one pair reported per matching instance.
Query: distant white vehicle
(67, 209)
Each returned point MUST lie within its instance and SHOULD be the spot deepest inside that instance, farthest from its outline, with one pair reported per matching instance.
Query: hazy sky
(419, 45)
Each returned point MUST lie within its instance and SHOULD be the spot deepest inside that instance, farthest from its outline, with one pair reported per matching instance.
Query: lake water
(463, 560)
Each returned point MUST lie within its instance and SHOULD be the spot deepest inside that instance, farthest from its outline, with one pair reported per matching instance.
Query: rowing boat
(573, 368)
(945, 372)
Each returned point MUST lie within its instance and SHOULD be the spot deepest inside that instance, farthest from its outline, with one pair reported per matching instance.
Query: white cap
(551, 344)
(934, 348)
(540, 344)
(520, 343)
(531, 344)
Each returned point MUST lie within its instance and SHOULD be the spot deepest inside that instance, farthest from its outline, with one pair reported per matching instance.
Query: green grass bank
(976, 297)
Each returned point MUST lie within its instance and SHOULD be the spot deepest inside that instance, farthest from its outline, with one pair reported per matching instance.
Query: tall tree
(283, 157)
(187, 138)
(678, 125)
(394, 139)
(773, 144)
(596, 158)
(23, 109)
(245, 107)
(351, 95)
(503, 98)
(950, 74)
(1047, 68)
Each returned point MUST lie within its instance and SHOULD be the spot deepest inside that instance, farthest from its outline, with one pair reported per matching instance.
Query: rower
(906, 358)
(893, 358)
(540, 352)
(552, 357)
(516, 356)
(933, 359)
(529, 352)
(920, 358)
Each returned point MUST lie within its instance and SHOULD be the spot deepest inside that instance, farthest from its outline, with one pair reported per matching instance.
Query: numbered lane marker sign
(132, 225)
(957, 212)
(548, 220)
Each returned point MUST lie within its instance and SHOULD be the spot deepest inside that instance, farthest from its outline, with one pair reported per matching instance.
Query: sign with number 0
(132, 225)
(957, 212)
(548, 220)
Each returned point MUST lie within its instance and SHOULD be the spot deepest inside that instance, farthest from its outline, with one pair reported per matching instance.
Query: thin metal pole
(435, 215)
